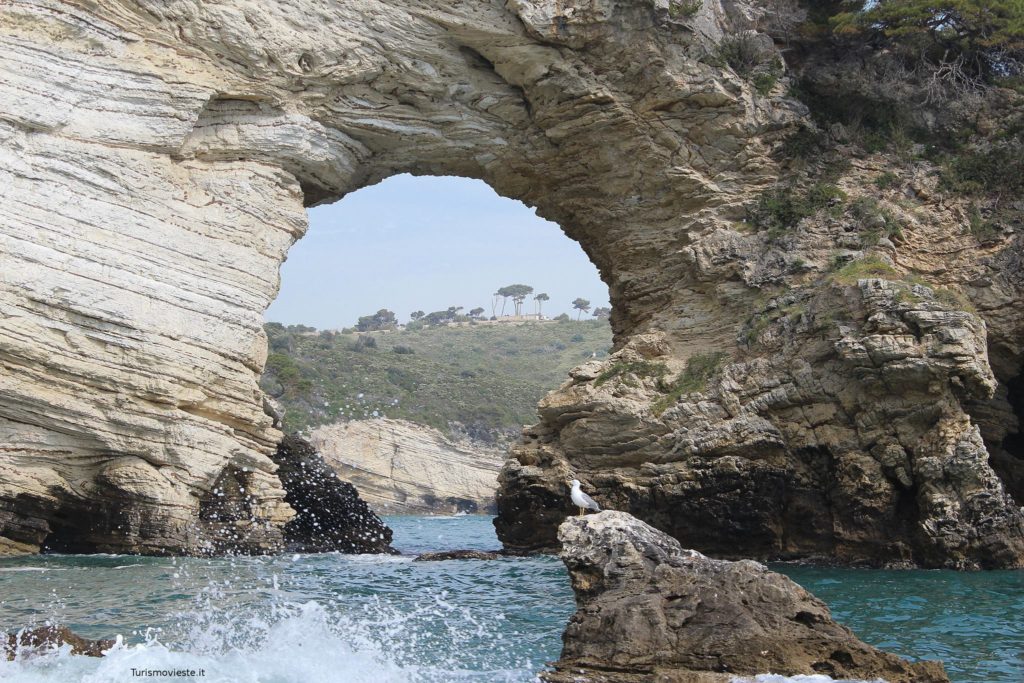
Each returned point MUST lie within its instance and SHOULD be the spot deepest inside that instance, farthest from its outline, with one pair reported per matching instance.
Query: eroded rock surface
(400, 467)
(848, 439)
(649, 610)
(155, 162)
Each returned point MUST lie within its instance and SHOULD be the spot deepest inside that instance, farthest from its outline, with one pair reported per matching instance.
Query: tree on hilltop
(476, 312)
(517, 293)
(602, 313)
(540, 299)
(581, 305)
(381, 320)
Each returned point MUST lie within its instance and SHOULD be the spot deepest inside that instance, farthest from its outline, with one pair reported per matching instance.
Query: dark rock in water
(329, 514)
(230, 522)
(459, 555)
(52, 637)
(650, 610)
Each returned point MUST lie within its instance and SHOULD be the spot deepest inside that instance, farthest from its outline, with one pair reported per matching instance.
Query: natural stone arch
(163, 152)
(157, 159)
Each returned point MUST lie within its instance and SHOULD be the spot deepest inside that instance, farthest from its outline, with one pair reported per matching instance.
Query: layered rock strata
(155, 162)
(649, 610)
(849, 440)
(401, 467)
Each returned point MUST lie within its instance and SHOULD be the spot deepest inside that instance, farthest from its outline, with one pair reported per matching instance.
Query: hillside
(478, 379)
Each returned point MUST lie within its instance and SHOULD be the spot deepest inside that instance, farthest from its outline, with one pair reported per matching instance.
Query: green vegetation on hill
(477, 378)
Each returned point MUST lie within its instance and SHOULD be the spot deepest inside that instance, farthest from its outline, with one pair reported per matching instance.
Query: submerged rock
(330, 515)
(650, 610)
(44, 638)
(458, 555)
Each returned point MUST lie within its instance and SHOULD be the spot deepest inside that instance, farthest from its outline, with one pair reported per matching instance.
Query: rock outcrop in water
(329, 514)
(29, 642)
(647, 609)
(445, 555)
(401, 467)
(155, 163)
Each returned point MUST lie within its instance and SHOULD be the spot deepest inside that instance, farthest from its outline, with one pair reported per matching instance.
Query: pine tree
(985, 38)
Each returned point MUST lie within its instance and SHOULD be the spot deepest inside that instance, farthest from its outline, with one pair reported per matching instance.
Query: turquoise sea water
(311, 618)
(972, 621)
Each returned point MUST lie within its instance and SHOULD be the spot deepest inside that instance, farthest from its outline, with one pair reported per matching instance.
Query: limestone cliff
(403, 468)
(848, 422)
(155, 162)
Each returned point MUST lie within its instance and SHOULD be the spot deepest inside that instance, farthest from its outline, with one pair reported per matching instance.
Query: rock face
(403, 468)
(850, 441)
(155, 163)
(649, 610)
(330, 515)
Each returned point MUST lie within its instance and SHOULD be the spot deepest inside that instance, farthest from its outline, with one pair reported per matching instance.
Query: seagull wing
(589, 502)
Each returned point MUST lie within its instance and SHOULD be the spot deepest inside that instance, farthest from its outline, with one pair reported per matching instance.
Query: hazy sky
(427, 243)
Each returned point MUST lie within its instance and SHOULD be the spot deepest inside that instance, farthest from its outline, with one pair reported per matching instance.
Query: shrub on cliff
(988, 167)
(779, 209)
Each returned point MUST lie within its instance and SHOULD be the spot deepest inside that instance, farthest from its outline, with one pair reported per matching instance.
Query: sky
(427, 243)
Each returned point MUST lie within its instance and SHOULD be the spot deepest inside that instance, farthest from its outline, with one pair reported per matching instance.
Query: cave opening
(65, 538)
(1001, 420)
(1014, 441)
(68, 526)
(1010, 464)
(419, 322)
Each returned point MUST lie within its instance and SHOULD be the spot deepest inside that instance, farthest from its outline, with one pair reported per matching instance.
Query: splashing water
(296, 618)
(312, 618)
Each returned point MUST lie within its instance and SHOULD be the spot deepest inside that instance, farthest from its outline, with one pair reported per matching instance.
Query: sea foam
(286, 643)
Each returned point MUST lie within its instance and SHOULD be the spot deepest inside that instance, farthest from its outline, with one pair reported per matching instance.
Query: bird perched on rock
(582, 500)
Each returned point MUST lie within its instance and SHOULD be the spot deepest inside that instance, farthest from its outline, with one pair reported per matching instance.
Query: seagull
(582, 500)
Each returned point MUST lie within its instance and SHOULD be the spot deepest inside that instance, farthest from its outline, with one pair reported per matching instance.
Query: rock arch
(157, 158)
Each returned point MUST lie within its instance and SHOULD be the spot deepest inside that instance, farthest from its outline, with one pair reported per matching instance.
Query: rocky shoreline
(330, 514)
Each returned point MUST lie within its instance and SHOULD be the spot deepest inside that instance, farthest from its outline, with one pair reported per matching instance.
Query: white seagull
(582, 500)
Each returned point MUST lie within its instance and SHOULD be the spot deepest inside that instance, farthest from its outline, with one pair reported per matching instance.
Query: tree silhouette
(540, 299)
(517, 293)
(416, 315)
(602, 312)
(476, 312)
(581, 305)
(381, 320)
